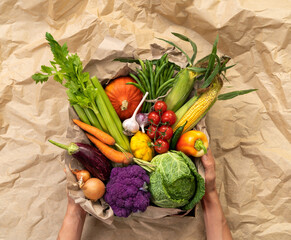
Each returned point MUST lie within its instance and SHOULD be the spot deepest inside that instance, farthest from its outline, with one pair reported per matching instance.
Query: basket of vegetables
(141, 129)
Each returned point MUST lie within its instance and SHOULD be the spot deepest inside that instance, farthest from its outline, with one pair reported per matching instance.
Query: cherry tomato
(161, 146)
(160, 106)
(152, 131)
(154, 118)
(169, 117)
(165, 132)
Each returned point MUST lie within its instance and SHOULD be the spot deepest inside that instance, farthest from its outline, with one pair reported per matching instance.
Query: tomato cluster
(160, 129)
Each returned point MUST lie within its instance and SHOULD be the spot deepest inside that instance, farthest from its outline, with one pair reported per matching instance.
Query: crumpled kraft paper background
(250, 135)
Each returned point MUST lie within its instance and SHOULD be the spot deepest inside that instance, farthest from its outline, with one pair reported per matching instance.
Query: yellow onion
(80, 174)
(93, 188)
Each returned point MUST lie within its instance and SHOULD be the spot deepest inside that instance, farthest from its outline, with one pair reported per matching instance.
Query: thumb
(207, 159)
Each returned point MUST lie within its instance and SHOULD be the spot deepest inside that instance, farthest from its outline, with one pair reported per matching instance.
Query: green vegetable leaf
(68, 70)
(174, 45)
(59, 77)
(194, 46)
(202, 60)
(46, 69)
(126, 60)
(90, 93)
(224, 77)
(65, 49)
(53, 63)
(200, 77)
(175, 182)
(208, 81)
(72, 86)
(59, 52)
(197, 69)
(199, 193)
(212, 58)
(39, 77)
(231, 95)
(83, 102)
(228, 67)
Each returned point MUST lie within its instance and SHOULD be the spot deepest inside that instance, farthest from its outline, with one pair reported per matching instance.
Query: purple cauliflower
(126, 191)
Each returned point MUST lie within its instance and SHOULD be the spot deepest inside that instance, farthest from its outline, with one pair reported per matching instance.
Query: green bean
(166, 84)
(147, 71)
(138, 86)
(154, 77)
(162, 59)
(165, 90)
(170, 72)
(143, 109)
(156, 81)
(157, 63)
(142, 64)
(146, 80)
(136, 79)
(152, 89)
(143, 82)
(166, 74)
(158, 74)
(162, 77)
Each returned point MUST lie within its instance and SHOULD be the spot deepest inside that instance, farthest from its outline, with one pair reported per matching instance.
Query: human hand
(214, 219)
(73, 222)
(209, 167)
(74, 208)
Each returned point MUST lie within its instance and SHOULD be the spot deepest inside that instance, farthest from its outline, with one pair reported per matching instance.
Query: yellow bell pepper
(140, 145)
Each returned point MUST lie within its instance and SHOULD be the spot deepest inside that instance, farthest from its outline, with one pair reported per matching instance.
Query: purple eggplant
(91, 158)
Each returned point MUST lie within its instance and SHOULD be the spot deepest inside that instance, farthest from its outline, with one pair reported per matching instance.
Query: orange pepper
(193, 143)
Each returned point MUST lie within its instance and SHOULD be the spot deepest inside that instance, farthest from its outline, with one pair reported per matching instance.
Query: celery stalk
(86, 115)
(81, 113)
(92, 118)
(112, 128)
(78, 109)
(113, 115)
(100, 118)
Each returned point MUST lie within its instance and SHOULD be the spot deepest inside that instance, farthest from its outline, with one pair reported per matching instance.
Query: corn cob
(181, 90)
(182, 110)
(201, 106)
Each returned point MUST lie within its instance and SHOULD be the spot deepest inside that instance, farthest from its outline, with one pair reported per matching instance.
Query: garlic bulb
(130, 125)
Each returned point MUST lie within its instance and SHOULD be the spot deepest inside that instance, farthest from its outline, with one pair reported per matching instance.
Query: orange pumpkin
(124, 98)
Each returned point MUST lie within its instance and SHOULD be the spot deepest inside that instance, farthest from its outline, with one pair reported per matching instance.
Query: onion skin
(84, 174)
(93, 189)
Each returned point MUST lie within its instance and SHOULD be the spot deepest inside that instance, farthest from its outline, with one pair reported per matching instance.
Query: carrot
(110, 153)
(102, 136)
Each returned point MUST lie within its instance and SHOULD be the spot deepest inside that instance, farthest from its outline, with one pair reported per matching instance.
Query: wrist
(75, 210)
(73, 222)
(210, 196)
